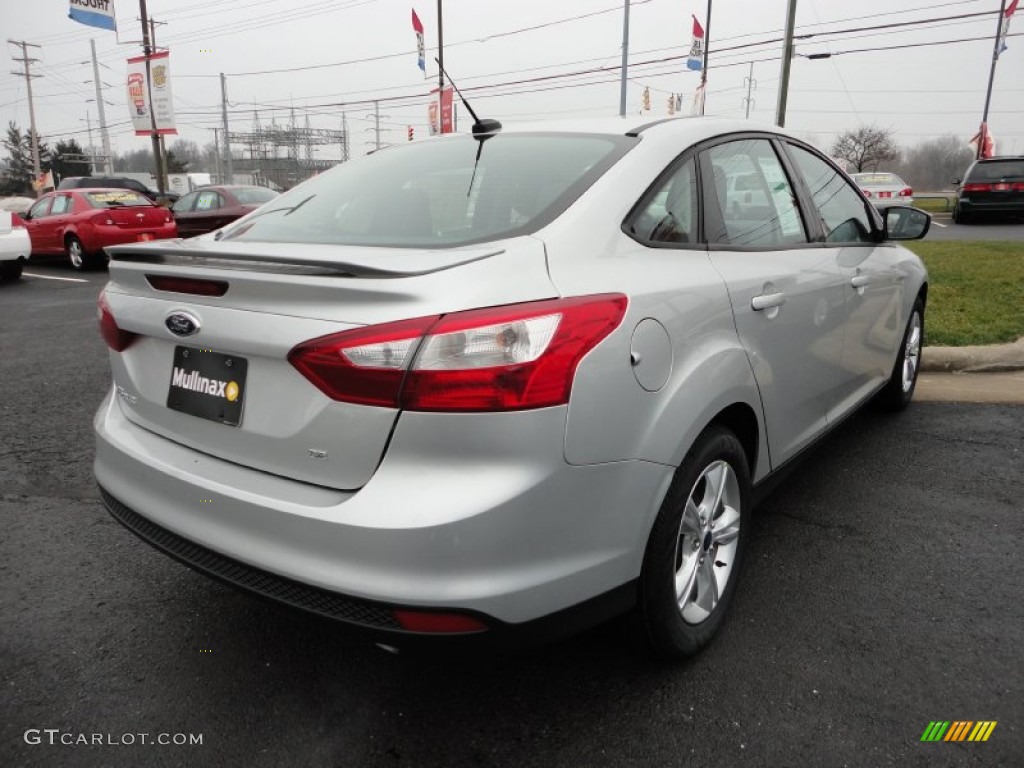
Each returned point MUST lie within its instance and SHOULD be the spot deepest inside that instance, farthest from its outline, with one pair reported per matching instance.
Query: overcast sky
(918, 92)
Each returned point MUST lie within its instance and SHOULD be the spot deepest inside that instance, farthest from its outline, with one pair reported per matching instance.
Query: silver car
(884, 189)
(507, 385)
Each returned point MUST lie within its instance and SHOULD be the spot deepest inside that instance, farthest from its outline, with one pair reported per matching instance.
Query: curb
(995, 358)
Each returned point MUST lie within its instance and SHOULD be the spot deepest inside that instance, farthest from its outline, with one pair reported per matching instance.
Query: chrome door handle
(860, 281)
(767, 301)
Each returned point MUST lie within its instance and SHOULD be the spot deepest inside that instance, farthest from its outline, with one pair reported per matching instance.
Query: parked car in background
(505, 385)
(884, 189)
(81, 223)
(15, 245)
(993, 187)
(16, 204)
(112, 182)
(208, 208)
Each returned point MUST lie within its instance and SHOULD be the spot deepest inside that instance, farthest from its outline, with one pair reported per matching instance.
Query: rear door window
(61, 204)
(757, 203)
(209, 201)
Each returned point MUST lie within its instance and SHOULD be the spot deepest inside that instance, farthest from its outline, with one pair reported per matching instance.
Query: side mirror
(905, 223)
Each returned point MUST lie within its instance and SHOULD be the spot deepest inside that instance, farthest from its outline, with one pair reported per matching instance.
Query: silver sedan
(505, 385)
(884, 189)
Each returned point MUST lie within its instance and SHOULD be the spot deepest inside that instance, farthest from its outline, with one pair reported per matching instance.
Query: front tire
(899, 391)
(696, 546)
(11, 270)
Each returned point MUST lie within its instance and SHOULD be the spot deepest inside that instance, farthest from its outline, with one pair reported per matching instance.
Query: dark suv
(992, 186)
(120, 182)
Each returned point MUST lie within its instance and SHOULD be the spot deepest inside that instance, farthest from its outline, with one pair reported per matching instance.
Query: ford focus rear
(500, 384)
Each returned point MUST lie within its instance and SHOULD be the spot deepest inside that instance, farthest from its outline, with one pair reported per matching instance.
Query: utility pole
(787, 61)
(440, 76)
(147, 50)
(344, 137)
(224, 120)
(991, 78)
(108, 163)
(704, 68)
(163, 147)
(27, 74)
(625, 61)
(216, 155)
(751, 84)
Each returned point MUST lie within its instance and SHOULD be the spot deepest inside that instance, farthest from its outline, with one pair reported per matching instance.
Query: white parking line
(53, 277)
(937, 224)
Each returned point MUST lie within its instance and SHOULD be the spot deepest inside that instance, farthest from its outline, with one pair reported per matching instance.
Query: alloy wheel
(707, 541)
(912, 352)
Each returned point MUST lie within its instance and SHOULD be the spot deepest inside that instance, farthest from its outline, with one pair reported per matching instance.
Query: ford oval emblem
(182, 324)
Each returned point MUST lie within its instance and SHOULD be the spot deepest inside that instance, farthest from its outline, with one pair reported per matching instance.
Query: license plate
(885, 194)
(208, 384)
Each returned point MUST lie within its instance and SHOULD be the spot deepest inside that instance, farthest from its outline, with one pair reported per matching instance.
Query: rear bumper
(466, 513)
(967, 205)
(104, 236)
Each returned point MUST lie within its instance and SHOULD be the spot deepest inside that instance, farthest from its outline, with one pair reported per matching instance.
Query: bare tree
(932, 165)
(865, 148)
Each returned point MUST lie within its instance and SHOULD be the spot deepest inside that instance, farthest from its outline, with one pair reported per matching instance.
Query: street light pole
(104, 135)
(155, 135)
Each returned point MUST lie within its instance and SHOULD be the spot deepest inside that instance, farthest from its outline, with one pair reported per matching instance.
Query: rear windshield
(433, 194)
(877, 178)
(255, 195)
(122, 198)
(996, 170)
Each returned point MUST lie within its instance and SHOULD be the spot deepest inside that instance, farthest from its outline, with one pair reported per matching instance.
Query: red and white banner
(447, 118)
(1004, 26)
(140, 91)
(417, 27)
(696, 58)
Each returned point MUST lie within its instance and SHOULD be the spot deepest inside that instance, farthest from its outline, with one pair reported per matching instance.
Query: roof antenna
(482, 129)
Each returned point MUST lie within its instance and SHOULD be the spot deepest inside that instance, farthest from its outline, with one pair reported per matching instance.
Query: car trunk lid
(271, 298)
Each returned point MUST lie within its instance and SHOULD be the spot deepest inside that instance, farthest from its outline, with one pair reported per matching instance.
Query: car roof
(689, 129)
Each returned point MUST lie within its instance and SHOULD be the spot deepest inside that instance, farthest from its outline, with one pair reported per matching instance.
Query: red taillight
(977, 187)
(906, 192)
(195, 286)
(422, 621)
(496, 359)
(116, 339)
(365, 366)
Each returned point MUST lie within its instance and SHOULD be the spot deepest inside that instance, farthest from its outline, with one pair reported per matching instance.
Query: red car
(82, 222)
(210, 208)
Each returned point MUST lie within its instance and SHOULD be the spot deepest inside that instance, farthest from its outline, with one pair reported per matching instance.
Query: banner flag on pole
(696, 59)
(95, 13)
(988, 144)
(1004, 28)
(139, 92)
(697, 108)
(417, 27)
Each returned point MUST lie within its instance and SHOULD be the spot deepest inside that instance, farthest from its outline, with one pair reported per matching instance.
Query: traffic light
(647, 99)
(671, 104)
(410, 133)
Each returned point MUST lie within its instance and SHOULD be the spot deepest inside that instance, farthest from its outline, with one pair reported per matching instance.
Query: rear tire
(899, 391)
(79, 258)
(695, 550)
(959, 217)
(11, 270)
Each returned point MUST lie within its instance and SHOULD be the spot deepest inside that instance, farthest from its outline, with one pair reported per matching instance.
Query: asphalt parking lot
(882, 591)
(944, 228)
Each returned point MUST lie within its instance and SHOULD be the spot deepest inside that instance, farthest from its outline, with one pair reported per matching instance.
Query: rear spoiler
(388, 262)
